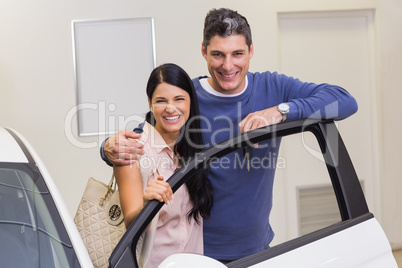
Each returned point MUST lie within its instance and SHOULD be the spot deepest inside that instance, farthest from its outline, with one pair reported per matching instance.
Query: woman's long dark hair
(190, 142)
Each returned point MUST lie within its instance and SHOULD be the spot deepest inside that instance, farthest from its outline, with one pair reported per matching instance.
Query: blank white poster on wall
(112, 61)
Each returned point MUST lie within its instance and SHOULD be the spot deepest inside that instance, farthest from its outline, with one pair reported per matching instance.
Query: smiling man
(233, 100)
(228, 60)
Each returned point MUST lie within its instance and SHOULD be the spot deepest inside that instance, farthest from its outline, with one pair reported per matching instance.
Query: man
(232, 100)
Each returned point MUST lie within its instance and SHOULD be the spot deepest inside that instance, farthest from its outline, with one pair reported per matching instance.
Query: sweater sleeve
(318, 101)
(102, 153)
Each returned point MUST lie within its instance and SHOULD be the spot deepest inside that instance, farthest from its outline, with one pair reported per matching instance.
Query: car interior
(29, 221)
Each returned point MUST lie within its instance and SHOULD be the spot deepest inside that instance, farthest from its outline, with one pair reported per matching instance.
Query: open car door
(356, 241)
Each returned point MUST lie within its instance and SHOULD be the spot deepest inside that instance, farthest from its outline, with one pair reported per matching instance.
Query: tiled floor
(398, 257)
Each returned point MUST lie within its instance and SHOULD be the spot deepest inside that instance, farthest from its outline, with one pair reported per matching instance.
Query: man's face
(228, 60)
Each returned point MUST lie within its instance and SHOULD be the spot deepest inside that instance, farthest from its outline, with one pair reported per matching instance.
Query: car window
(30, 222)
(303, 195)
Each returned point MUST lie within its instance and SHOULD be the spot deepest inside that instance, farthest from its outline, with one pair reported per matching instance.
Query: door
(335, 47)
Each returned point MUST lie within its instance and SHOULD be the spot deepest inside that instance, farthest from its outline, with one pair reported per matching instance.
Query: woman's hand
(158, 189)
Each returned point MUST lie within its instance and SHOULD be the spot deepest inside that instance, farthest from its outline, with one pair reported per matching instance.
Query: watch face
(283, 107)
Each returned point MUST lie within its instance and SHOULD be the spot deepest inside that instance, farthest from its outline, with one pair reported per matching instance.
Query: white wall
(37, 80)
(389, 98)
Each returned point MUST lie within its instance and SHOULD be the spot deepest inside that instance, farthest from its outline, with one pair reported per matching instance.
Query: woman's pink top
(175, 232)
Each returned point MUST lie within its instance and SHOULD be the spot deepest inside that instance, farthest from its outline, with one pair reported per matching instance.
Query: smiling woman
(169, 141)
(170, 106)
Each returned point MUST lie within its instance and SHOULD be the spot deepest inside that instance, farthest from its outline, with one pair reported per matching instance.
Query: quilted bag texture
(99, 220)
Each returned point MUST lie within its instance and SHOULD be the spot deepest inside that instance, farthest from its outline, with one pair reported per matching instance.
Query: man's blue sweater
(239, 223)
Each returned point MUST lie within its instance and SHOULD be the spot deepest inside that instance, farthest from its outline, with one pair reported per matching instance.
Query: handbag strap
(111, 187)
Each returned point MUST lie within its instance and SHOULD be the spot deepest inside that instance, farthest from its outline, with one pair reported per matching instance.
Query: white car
(36, 229)
(356, 240)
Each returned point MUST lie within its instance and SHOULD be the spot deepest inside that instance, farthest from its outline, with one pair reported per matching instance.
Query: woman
(169, 141)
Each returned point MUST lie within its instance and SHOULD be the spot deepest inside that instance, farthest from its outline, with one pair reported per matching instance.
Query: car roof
(10, 149)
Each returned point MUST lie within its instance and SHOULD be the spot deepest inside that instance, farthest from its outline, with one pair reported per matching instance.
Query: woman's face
(171, 108)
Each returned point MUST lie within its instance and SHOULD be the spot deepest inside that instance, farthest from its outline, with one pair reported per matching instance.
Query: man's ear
(203, 50)
(251, 50)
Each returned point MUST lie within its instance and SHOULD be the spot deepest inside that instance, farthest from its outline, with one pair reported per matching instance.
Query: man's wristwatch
(283, 108)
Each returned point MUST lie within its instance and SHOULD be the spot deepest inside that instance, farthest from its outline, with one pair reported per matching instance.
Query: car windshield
(30, 222)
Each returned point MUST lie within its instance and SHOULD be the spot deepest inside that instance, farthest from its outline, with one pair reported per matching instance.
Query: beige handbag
(99, 220)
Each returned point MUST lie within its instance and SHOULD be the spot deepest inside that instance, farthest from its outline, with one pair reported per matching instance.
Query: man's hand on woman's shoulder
(123, 148)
